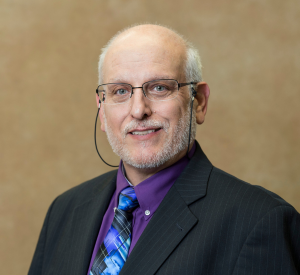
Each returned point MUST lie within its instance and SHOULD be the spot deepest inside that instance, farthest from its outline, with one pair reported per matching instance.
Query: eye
(159, 88)
(121, 92)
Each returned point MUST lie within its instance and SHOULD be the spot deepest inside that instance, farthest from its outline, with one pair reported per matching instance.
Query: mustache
(134, 124)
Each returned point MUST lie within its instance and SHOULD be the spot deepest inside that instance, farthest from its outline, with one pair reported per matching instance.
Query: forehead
(144, 57)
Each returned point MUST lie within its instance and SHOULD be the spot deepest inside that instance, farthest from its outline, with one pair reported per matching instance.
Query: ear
(98, 102)
(203, 92)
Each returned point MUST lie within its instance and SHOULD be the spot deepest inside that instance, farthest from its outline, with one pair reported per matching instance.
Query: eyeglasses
(154, 90)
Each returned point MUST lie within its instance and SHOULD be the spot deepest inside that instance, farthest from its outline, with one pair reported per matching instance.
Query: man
(181, 215)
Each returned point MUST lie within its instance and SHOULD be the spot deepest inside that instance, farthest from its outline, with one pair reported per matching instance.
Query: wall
(48, 76)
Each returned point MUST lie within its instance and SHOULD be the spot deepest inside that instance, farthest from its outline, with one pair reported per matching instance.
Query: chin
(147, 158)
(144, 161)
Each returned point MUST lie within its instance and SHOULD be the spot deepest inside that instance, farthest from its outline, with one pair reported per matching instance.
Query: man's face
(144, 133)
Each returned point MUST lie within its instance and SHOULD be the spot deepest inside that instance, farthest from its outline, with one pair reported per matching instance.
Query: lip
(146, 136)
(143, 129)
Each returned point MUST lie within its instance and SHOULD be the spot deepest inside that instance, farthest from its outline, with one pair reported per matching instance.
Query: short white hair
(193, 66)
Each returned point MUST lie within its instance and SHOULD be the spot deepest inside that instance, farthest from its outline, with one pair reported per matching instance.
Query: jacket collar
(192, 183)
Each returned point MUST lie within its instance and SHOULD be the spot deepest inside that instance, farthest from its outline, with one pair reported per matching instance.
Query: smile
(142, 133)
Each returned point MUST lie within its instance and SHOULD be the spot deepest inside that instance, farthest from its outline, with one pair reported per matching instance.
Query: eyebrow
(156, 77)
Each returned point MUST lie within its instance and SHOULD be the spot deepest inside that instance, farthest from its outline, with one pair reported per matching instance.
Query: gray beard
(175, 142)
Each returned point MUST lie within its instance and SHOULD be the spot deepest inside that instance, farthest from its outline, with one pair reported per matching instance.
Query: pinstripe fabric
(209, 223)
(71, 227)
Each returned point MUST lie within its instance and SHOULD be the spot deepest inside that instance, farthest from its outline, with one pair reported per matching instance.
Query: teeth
(142, 133)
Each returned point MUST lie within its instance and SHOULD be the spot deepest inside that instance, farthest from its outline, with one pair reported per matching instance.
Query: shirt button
(147, 212)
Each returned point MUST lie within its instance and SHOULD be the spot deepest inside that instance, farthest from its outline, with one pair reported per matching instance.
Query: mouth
(143, 132)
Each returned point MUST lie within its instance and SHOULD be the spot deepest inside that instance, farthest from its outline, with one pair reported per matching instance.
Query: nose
(140, 105)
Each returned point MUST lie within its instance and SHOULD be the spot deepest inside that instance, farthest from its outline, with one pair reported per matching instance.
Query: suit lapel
(192, 183)
(172, 221)
(86, 222)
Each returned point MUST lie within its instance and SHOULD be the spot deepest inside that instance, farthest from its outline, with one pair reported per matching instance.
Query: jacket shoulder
(83, 192)
(244, 194)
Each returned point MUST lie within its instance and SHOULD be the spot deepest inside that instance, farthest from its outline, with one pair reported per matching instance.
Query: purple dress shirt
(150, 194)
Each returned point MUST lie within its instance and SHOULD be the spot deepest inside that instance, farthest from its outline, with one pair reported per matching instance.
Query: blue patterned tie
(113, 252)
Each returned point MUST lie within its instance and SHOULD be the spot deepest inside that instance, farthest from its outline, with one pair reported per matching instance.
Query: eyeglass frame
(179, 85)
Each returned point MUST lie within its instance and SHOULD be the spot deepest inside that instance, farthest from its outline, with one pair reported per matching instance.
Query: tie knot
(127, 199)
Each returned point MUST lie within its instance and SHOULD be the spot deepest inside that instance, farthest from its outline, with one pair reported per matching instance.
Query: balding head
(150, 33)
(150, 37)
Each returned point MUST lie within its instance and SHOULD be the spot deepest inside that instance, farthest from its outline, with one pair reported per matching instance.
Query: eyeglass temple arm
(97, 92)
(194, 93)
(185, 84)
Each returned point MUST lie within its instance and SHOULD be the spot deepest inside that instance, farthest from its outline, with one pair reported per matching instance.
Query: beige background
(48, 76)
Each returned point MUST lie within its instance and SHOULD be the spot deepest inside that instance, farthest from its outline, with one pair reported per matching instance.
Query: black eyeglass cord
(194, 93)
(187, 152)
(98, 110)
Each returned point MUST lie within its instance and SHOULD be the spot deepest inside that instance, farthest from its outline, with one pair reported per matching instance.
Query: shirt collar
(151, 191)
(124, 173)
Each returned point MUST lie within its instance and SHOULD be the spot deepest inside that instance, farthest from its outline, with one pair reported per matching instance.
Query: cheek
(115, 117)
(173, 110)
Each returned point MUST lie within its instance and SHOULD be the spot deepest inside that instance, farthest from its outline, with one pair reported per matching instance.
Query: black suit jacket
(209, 223)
